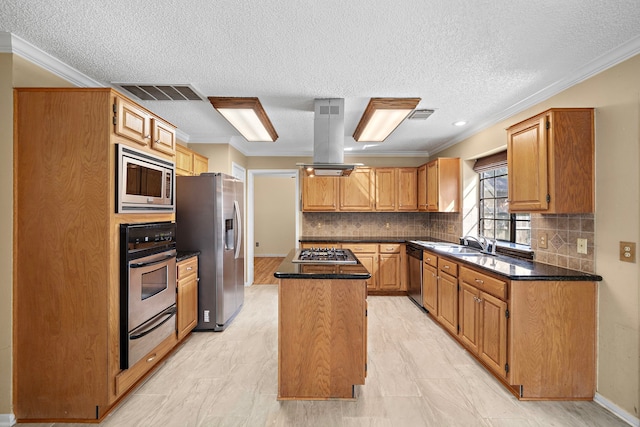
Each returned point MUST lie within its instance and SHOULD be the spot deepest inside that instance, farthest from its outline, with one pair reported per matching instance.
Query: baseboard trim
(7, 420)
(616, 410)
(270, 256)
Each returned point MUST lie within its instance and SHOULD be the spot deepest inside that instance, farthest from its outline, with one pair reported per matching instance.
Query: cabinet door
(357, 191)
(448, 302)
(367, 254)
(468, 315)
(163, 136)
(407, 197)
(132, 122)
(200, 164)
(432, 186)
(386, 189)
(184, 161)
(430, 288)
(389, 272)
(369, 261)
(493, 333)
(527, 163)
(422, 188)
(320, 193)
(187, 305)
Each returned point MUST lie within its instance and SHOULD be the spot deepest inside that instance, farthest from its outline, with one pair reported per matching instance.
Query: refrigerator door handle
(236, 208)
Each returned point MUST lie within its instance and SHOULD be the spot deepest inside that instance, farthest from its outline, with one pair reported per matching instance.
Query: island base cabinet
(553, 339)
(321, 338)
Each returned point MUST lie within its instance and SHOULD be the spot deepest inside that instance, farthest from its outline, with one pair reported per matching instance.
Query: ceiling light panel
(247, 116)
(382, 116)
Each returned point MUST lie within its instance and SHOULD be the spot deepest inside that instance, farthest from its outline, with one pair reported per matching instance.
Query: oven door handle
(147, 264)
(170, 312)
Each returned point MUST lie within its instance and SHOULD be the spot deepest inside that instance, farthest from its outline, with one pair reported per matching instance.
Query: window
(494, 219)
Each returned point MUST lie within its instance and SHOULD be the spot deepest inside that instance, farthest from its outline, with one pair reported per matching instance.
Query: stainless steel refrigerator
(209, 212)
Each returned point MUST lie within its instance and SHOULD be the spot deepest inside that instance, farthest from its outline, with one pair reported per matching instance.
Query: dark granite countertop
(182, 255)
(292, 270)
(512, 268)
(368, 239)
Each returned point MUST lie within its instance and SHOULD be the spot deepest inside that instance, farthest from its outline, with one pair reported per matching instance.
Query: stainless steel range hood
(328, 140)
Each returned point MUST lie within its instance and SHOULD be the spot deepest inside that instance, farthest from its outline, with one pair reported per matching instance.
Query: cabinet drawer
(390, 248)
(187, 267)
(430, 259)
(448, 267)
(313, 245)
(485, 283)
(366, 248)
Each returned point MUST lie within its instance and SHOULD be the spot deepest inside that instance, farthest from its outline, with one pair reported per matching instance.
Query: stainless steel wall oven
(147, 288)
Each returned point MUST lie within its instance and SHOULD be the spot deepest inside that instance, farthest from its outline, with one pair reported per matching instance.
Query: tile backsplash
(382, 224)
(562, 231)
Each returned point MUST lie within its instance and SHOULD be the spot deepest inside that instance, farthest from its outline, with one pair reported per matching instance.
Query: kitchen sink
(450, 248)
(457, 250)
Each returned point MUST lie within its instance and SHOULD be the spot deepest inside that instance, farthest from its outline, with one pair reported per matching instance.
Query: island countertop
(292, 270)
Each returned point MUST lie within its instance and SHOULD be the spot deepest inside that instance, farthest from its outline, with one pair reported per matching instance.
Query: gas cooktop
(324, 256)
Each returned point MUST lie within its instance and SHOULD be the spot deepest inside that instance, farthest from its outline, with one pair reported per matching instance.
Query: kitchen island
(322, 329)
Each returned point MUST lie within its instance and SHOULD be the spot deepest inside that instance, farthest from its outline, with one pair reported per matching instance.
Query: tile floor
(418, 376)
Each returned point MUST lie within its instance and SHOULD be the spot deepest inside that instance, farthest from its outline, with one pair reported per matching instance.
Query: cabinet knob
(479, 281)
(189, 268)
(446, 267)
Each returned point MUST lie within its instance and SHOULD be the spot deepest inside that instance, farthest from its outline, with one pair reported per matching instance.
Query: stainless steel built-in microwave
(145, 183)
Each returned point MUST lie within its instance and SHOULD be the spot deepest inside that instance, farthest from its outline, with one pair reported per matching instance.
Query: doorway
(286, 203)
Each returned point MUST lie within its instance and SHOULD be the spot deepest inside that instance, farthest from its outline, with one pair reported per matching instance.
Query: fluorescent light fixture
(382, 116)
(247, 116)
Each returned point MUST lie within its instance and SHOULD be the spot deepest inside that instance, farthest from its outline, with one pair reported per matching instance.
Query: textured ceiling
(479, 61)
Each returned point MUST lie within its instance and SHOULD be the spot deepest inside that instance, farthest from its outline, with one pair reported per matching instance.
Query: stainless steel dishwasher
(414, 288)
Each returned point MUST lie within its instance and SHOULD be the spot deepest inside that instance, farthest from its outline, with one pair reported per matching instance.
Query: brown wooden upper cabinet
(188, 162)
(320, 193)
(396, 189)
(138, 125)
(356, 191)
(551, 162)
(439, 185)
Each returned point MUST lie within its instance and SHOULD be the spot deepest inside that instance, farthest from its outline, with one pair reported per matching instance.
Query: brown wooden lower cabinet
(322, 331)
(187, 298)
(537, 337)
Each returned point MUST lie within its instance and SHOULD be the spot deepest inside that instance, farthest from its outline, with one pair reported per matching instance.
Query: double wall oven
(147, 288)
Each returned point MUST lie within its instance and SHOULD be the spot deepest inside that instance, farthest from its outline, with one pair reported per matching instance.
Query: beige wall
(274, 215)
(615, 94)
(221, 156)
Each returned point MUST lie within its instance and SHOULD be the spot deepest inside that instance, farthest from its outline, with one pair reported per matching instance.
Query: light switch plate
(628, 252)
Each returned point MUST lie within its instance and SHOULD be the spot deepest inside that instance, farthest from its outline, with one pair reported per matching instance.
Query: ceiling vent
(150, 92)
(420, 114)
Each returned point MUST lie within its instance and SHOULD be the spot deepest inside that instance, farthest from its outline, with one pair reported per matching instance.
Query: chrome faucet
(482, 241)
(487, 246)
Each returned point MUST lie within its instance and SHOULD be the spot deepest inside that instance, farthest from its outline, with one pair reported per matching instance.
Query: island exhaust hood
(328, 140)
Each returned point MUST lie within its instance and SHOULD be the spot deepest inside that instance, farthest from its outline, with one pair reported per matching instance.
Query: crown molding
(10, 43)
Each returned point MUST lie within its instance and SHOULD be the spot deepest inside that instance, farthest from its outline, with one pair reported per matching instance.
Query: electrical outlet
(628, 252)
(582, 246)
(542, 241)
(451, 228)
